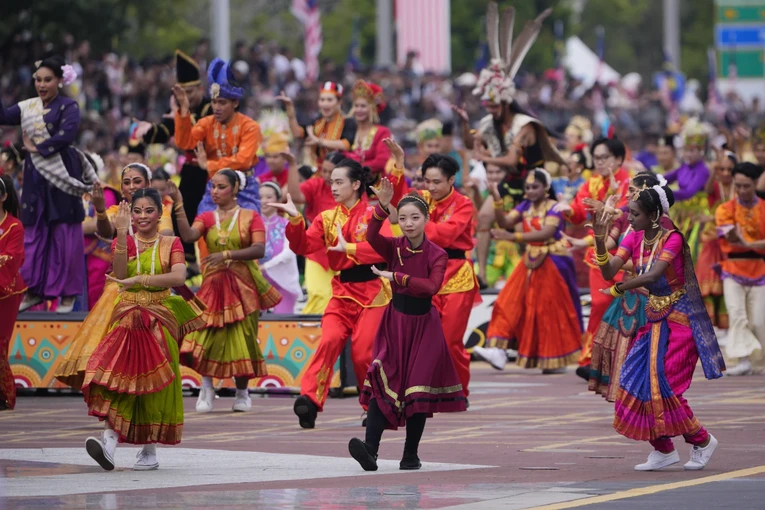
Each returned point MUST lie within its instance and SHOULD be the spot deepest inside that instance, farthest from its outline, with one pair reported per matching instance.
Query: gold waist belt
(145, 297)
(658, 303)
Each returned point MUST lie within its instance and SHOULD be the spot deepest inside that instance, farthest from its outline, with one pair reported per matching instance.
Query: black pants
(192, 188)
(415, 425)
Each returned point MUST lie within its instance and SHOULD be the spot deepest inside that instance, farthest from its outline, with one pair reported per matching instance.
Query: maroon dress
(412, 370)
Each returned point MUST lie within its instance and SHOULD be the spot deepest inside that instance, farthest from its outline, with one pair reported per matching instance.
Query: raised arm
(10, 116)
(289, 107)
(294, 188)
(382, 245)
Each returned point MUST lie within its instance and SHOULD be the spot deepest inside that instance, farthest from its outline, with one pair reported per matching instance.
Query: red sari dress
(12, 291)
(539, 305)
(133, 378)
(233, 293)
(412, 370)
(371, 151)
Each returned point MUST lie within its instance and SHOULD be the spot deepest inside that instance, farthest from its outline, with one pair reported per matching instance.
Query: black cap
(667, 141)
(186, 70)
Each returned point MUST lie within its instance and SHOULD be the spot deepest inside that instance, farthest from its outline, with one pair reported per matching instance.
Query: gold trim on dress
(145, 297)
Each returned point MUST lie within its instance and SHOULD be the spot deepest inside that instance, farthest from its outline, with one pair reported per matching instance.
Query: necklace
(640, 268)
(651, 242)
(153, 253)
(147, 241)
(223, 235)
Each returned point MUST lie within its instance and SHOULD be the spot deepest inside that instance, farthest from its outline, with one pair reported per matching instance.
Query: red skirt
(412, 370)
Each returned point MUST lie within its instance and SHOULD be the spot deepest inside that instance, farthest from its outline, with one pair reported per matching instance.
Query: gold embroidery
(659, 303)
(329, 220)
(656, 400)
(413, 389)
(462, 281)
(321, 382)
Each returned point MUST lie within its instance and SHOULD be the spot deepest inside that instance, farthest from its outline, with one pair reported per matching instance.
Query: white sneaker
(102, 450)
(744, 367)
(205, 400)
(29, 301)
(657, 460)
(66, 305)
(700, 457)
(242, 404)
(495, 356)
(147, 459)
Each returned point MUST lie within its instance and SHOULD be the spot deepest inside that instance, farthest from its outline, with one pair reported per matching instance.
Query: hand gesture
(182, 98)
(500, 234)
(173, 108)
(562, 207)
(122, 220)
(341, 242)
(606, 291)
(384, 274)
(384, 192)
(494, 190)
(213, 259)
(28, 145)
(594, 206)
(289, 106)
(97, 198)
(602, 224)
(201, 155)
(143, 128)
(461, 113)
(576, 244)
(291, 159)
(173, 192)
(310, 138)
(125, 283)
(396, 152)
(288, 207)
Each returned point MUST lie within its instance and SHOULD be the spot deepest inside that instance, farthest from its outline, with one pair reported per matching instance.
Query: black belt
(455, 254)
(358, 274)
(746, 255)
(411, 305)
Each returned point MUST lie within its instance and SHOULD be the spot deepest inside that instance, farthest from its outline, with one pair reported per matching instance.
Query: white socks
(242, 393)
(207, 383)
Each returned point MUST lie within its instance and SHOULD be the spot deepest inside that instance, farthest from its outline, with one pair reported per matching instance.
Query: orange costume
(12, 291)
(451, 227)
(336, 127)
(597, 188)
(358, 296)
(232, 145)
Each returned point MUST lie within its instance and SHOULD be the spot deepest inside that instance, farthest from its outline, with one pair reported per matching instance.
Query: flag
(714, 100)
(354, 52)
(560, 47)
(424, 26)
(307, 12)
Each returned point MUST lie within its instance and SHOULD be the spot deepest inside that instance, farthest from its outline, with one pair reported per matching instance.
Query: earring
(656, 221)
(60, 85)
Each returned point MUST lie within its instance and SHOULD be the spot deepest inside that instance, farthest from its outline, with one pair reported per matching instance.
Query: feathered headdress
(428, 130)
(696, 132)
(495, 83)
(221, 79)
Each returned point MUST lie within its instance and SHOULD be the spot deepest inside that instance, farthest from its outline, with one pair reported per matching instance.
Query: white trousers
(746, 314)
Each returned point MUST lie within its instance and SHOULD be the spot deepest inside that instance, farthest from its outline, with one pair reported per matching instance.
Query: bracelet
(119, 251)
(227, 255)
(601, 236)
(499, 205)
(615, 292)
(145, 280)
(178, 205)
(101, 215)
(518, 237)
(124, 229)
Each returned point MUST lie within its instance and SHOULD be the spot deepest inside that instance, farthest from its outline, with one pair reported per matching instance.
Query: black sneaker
(410, 461)
(306, 412)
(583, 372)
(363, 453)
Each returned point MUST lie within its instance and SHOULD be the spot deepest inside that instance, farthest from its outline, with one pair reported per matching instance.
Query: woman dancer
(659, 367)
(12, 286)
(279, 264)
(539, 306)
(133, 380)
(368, 147)
(71, 372)
(233, 291)
(55, 177)
(98, 258)
(412, 375)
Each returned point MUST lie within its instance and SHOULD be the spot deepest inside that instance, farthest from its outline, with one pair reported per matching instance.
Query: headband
(532, 177)
(139, 165)
(275, 187)
(417, 198)
(662, 198)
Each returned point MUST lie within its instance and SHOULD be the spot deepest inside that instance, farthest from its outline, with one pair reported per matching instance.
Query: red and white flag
(424, 26)
(307, 12)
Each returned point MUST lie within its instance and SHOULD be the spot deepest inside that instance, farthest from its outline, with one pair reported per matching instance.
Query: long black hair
(151, 194)
(356, 172)
(650, 202)
(11, 202)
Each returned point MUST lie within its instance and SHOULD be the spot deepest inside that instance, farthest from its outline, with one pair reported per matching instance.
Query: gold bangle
(499, 205)
(227, 255)
(518, 237)
(145, 280)
(601, 236)
(124, 229)
(178, 205)
(102, 215)
(119, 251)
(615, 292)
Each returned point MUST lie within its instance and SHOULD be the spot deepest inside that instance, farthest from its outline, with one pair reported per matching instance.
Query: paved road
(528, 441)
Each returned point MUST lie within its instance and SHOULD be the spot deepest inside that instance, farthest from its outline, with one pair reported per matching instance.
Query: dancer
(368, 147)
(666, 155)
(279, 264)
(133, 379)
(539, 305)
(659, 367)
(71, 371)
(55, 176)
(12, 286)
(98, 258)
(412, 375)
(233, 291)
(359, 296)
(609, 179)
(331, 131)
(316, 194)
(741, 225)
(451, 228)
(225, 139)
(626, 314)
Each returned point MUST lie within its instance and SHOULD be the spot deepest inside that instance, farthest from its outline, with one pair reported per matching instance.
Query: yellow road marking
(654, 489)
